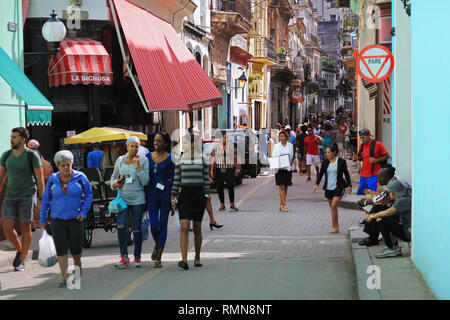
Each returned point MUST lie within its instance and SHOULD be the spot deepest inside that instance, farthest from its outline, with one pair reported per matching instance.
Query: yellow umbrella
(103, 134)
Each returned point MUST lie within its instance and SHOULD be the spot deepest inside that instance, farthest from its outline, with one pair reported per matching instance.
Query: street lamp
(242, 80)
(54, 32)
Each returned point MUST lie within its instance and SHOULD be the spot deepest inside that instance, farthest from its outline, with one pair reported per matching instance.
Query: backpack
(30, 155)
(372, 153)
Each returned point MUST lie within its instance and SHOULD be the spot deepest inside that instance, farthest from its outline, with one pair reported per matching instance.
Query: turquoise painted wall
(12, 43)
(431, 114)
(401, 89)
(223, 108)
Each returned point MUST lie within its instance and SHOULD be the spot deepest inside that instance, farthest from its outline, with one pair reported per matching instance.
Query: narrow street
(260, 253)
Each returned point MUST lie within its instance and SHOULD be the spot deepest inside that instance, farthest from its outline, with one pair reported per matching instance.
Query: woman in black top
(222, 170)
(334, 169)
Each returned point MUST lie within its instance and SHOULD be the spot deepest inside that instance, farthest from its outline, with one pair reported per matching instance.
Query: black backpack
(30, 155)
(372, 153)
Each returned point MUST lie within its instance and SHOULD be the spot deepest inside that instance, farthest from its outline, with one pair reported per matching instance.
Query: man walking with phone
(24, 168)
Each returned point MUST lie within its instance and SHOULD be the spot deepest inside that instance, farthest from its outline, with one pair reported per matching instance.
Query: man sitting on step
(377, 202)
(402, 229)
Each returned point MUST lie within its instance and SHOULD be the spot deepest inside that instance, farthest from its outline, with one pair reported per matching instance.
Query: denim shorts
(21, 208)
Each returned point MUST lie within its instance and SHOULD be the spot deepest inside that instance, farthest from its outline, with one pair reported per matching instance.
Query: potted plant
(281, 50)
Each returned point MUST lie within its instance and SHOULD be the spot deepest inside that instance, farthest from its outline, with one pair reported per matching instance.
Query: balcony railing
(255, 89)
(239, 6)
(264, 48)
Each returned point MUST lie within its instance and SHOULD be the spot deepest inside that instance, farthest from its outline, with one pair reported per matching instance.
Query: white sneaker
(388, 253)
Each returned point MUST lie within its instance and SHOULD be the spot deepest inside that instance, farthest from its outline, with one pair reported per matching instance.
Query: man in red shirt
(312, 151)
(370, 162)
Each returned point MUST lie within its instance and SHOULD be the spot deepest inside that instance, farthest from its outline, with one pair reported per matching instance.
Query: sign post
(375, 63)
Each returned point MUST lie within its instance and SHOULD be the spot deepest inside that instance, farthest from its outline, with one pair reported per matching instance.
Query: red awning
(170, 76)
(80, 60)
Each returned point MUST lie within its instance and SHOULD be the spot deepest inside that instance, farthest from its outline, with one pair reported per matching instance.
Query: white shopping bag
(47, 251)
(176, 219)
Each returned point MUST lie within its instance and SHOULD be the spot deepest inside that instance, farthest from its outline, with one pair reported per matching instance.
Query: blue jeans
(137, 212)
(367, 183)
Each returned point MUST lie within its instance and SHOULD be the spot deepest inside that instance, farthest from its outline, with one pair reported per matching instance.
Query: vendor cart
(98, 216)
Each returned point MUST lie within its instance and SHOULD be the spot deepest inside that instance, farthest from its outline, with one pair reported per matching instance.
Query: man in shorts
(24, 168)
(312, 143)
(371, 163)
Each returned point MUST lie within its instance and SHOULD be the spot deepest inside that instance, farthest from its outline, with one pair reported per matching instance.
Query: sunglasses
(362, 132)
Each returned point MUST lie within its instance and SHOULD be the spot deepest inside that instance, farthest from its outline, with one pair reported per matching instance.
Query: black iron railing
(239, 6)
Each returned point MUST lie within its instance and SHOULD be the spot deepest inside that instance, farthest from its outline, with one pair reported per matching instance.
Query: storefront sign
(375, 63)
(70, 134)
(89, 78)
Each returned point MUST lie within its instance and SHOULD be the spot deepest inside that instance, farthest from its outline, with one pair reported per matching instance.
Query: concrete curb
(362, 261)
(350, 201)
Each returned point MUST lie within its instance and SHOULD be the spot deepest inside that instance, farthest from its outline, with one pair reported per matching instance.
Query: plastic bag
(117, 205)
(47, 251)
(145, 226)
(176, 219)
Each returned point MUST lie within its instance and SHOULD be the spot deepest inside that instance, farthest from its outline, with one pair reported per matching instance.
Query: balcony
(231, 17)
(239, 6)
(264, 51)
(255, 89)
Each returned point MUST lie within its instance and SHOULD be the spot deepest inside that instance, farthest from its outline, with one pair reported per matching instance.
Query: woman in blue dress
(162, 168)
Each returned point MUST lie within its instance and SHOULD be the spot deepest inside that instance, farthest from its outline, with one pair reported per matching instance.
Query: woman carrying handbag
(337, 178)
(131, 174)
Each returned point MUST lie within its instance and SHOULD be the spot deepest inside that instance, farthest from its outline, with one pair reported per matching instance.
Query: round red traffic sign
(375, 63)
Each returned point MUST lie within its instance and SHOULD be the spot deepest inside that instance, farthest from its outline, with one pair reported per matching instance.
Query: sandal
(284, 209)
(158, 264)
(183, 265)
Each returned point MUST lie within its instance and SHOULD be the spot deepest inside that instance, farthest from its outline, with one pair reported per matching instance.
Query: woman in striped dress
(190, 192)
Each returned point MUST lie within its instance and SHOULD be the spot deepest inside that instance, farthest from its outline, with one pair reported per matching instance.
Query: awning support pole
(116, 24)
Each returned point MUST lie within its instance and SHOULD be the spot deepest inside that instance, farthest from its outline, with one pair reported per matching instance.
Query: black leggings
(67, 233)
(227, 176)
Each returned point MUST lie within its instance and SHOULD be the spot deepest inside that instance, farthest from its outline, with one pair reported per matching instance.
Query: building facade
(12, 106)
(228, 19)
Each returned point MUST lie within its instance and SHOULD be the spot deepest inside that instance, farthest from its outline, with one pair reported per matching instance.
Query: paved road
(260, 253)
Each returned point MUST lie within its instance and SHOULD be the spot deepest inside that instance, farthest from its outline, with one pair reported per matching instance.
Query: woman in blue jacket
(68, 194)
(161, 169)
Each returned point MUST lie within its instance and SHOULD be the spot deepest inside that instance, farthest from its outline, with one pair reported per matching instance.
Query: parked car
(248, 138)
(208, 146)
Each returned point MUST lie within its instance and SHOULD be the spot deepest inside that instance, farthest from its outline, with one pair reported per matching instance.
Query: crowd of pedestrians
(161, 184)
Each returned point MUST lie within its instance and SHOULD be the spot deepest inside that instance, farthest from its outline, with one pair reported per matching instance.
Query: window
(332, 17)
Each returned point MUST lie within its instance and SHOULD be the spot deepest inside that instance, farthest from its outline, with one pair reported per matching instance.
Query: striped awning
(372, 89)
(169, 74)
(80, 60)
